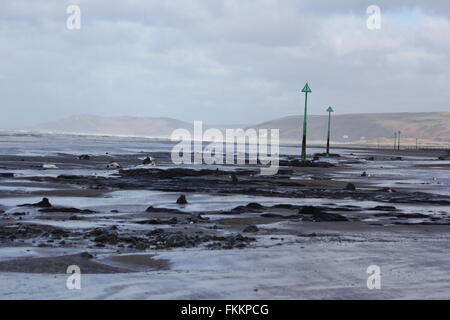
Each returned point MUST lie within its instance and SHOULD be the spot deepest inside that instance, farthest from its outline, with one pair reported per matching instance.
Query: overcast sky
(230, 61)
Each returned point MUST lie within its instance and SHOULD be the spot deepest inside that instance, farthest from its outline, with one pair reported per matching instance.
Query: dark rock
(75, 218)
(86, 255)
(285, 206)
(44, 203)
(113, 165)
(148, 161)
(141, 245)
(347, 208)
(300, 163)
(84, 157)
(279, 216)
(156, 232)
(98, 232)
(20, 213)
(182, 199)
(403, 216)
(6, 175)
(165, 210)
(350, 186)
(107, 239)
(66, 210)
(254, 205)
(177, 173)
(251, 207)
(151, 221)
(251, 228)
(383, 208)
(176, 240)
(364, 174)
(197, 218)
(311, 210)
(331, 155)
(158, 221)
(272, 215)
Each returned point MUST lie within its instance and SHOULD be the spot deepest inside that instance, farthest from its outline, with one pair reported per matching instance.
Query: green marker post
(329, 110)
(306, 90)
(395, 140)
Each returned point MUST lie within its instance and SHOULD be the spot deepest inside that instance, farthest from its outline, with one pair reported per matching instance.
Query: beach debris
(44, 203)
(182, 199)
(49, 166)
(251, 228)
(350, 186)
(365, 174)
(113, 165)
(84, 157)
(149, 161)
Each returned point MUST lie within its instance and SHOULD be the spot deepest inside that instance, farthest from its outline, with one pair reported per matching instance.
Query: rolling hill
(430, 126)
(355, 127)
(134, 126)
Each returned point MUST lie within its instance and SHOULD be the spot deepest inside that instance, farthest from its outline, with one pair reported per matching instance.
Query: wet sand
(127, 222)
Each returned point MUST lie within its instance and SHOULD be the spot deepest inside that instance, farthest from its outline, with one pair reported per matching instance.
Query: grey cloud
(219, 61)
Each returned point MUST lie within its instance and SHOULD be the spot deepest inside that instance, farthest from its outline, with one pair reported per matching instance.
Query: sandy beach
(309, 232)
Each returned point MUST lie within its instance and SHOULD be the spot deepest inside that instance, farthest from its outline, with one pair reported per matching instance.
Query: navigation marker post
(398, 144)
(306, 90)
(395, 140)
(329, 110)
